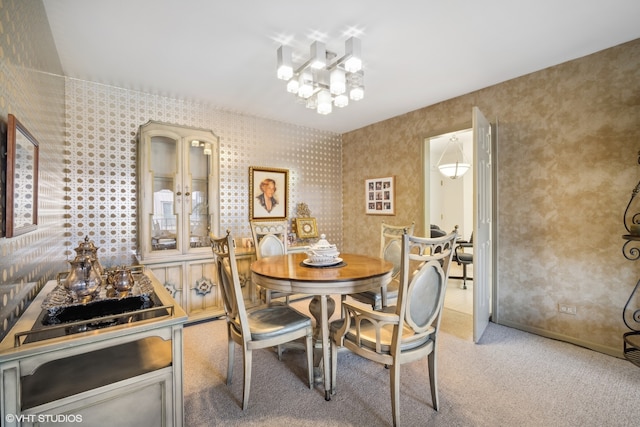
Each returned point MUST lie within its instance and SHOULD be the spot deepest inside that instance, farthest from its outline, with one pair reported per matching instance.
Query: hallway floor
(456, 298)
(457, 318)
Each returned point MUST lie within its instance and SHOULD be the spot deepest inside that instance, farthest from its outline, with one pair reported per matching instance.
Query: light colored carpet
(512, 378)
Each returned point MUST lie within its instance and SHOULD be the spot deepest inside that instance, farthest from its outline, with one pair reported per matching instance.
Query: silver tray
(60, 297)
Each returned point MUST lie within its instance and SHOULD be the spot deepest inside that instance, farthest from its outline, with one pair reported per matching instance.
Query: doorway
(482, 185)
(450, 205)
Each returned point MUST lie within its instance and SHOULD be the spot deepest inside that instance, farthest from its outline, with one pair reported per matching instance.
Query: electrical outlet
(567, 309)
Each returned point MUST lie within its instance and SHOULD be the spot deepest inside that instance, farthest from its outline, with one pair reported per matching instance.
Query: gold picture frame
(306, 228)
(268, 193)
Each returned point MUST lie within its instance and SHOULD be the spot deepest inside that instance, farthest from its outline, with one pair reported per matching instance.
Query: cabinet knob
(179, 193)
(187, 194)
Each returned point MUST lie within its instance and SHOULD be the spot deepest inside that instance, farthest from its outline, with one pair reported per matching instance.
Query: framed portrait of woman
(268, 193)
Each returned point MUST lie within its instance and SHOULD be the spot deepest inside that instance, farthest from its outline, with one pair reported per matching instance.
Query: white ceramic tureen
(322, 252)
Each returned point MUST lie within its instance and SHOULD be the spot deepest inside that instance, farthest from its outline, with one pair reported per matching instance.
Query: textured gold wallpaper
(567, 143)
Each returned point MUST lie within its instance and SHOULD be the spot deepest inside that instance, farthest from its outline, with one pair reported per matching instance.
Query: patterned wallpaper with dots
(88, 137)
(102, 126)
(31, 89)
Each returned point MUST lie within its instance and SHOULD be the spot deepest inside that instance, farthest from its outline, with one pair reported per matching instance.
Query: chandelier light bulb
(305, 88)
(312, 103)
(353, 49)
(324, 102)
(353, 65)
(285, 65)
(337, 82)
(284, 72)
(292, 86)
(318, 56)
(356, 93)
(341, 101)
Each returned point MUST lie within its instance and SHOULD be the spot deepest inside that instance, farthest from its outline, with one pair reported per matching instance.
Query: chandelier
(453, 163)
(324, 81)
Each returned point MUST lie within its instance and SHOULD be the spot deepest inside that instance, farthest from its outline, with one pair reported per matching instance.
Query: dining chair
(390, 239)
(269, 239)
(408, 331)
(261, 327)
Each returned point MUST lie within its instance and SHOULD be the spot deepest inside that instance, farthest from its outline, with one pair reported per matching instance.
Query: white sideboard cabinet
(178, 209)
(112, 367)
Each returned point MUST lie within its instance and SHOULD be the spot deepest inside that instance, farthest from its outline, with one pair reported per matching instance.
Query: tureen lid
(323, 243)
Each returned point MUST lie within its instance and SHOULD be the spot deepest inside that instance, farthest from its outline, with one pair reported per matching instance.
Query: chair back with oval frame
(408, 331)
(390, 250)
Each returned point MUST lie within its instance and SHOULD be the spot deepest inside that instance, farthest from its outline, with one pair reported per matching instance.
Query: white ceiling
(416, 52)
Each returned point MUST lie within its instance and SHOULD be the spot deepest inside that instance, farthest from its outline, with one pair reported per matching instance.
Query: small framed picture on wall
(380, 196)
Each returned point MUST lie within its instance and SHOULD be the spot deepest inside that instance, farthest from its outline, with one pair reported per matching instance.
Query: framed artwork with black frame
(268, 193)
(380, 196)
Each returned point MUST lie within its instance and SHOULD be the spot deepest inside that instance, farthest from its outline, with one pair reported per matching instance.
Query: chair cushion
(266, 322)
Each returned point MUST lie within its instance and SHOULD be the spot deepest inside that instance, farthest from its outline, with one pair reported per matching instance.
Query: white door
(482, 198)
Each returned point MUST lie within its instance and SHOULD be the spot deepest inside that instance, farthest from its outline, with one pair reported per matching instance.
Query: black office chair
(437, 231)
(464, 258)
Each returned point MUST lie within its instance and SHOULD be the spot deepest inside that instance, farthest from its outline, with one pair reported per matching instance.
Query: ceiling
(415, 52)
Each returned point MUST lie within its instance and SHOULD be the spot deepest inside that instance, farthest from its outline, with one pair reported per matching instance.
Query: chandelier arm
(339, 62)
(441, 156)
(460, 148)
(303, 67)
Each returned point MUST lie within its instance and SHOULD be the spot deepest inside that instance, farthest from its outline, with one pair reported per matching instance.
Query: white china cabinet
(177, 211)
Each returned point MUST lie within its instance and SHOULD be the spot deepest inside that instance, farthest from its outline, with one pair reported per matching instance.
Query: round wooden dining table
(291, 273)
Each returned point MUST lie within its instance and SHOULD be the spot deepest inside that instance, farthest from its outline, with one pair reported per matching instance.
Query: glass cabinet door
(178, 186)
(199, 171)
(164, 218)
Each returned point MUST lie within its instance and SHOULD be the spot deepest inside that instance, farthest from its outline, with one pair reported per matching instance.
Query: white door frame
(489, 305)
